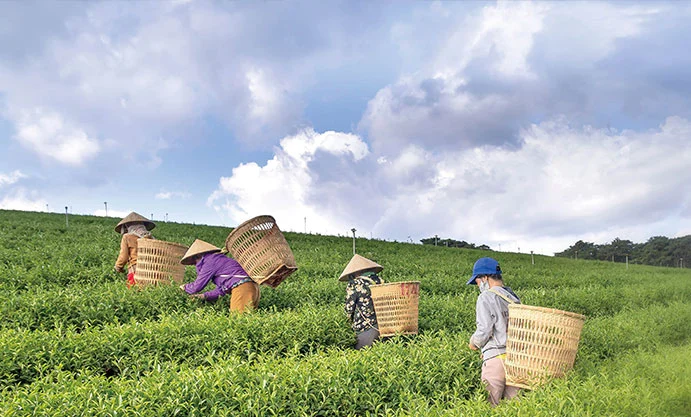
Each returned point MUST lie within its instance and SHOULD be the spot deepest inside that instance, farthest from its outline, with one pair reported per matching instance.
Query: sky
(525, 126)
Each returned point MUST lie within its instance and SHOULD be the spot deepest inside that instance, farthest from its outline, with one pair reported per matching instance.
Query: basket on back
(158, 262)
(262, 251)
(396, 306)
(541, 344)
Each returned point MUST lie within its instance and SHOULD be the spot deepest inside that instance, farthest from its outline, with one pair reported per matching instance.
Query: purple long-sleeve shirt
(225, 272)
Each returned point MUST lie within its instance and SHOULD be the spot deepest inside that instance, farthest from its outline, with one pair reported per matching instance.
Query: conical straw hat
(197, 248)
(357, 265)
(135, 218)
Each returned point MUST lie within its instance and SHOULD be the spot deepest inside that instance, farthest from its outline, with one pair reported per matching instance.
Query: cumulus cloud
(157, 70)
(22, 199)
(49, 135)
(542, 196)
(289, 186)
(18, 197)
(11, 178)
(506, 65)
(167, 195)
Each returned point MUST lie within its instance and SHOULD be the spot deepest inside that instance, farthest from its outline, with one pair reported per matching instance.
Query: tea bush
(76, 341)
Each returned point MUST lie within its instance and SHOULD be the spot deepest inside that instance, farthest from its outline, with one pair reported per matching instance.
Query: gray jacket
(492, 319)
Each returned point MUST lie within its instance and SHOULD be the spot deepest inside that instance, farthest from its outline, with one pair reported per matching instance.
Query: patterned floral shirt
(358, 302)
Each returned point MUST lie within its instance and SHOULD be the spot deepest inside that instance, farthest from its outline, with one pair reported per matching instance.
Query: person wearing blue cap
(492, 318)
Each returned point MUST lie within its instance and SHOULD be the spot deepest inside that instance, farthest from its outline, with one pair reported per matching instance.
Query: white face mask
(483, 286)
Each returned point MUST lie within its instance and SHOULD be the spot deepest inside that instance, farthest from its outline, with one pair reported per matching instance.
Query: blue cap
(484, 266)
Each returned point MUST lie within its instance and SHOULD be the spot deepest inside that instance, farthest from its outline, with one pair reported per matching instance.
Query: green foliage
(76, 341)
(658, 250)
(452, 243)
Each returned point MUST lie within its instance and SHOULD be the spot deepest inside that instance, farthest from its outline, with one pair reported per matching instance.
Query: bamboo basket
(261, 249)
(396, 307)
(158, 262)
(541, 344)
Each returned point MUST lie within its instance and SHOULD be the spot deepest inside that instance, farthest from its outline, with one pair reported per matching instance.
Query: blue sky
(524, 125)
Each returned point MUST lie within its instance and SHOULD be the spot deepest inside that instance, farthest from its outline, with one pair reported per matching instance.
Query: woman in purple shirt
(226, 273)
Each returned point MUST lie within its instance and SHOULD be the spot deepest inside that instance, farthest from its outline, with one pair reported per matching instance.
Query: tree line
(657, 251)
(451, 243)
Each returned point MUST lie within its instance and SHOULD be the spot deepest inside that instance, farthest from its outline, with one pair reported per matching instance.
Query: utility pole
(166, 217)
(152, 217)
(353, 230)
(67, 223)
(46, 208)
(105, 203)
(305, 224)
(532, 259)
(436, 238)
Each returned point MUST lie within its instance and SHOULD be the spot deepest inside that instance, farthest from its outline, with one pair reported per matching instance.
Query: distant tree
(658, 251)
(452, 243)
(580, 250)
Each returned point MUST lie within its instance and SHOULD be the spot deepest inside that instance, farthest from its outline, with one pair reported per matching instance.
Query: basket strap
(508, 300)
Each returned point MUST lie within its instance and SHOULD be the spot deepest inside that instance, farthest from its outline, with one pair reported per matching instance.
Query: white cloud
(146, 71)
(564, 184)
(49, 135)
(112, 213)
(167, 195)
(21, 199)
(284, 186)
(591, 30)
(506, 30)
(498, 68)
(11, 178)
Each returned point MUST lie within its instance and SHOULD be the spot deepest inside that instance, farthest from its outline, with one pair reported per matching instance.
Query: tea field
(75, 341)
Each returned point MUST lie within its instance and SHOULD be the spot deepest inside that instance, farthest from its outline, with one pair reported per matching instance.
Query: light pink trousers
(494, 378)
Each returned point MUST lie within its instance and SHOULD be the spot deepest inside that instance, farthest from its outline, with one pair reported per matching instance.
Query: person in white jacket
(492, 318)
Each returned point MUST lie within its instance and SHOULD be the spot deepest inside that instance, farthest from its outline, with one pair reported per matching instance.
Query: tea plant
(76, 341)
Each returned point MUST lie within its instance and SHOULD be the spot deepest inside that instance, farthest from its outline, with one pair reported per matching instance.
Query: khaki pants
(245, 297)
(494, 378)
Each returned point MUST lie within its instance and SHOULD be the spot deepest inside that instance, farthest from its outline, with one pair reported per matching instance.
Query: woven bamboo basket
(541, 344)
(158, 262)
(396, 306)
(262, 250)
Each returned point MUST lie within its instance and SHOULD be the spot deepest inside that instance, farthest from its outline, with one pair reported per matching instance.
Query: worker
(492, 319)
(360, 273)
(132, 227)
(226, 273)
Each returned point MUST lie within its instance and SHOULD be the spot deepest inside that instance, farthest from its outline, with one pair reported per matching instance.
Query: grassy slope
(78, 340)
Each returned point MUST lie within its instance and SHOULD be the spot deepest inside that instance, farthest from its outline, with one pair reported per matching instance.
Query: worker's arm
(484, 321)
(124, 255)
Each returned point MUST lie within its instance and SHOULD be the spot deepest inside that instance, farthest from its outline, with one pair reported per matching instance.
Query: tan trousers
(494, 378)
(245, 297)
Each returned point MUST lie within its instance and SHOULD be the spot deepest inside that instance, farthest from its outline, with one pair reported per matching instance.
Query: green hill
(75, 341)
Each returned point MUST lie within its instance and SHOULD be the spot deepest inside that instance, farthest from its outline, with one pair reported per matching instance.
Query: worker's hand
(182, 287)
(472, 346)
(116, 269)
